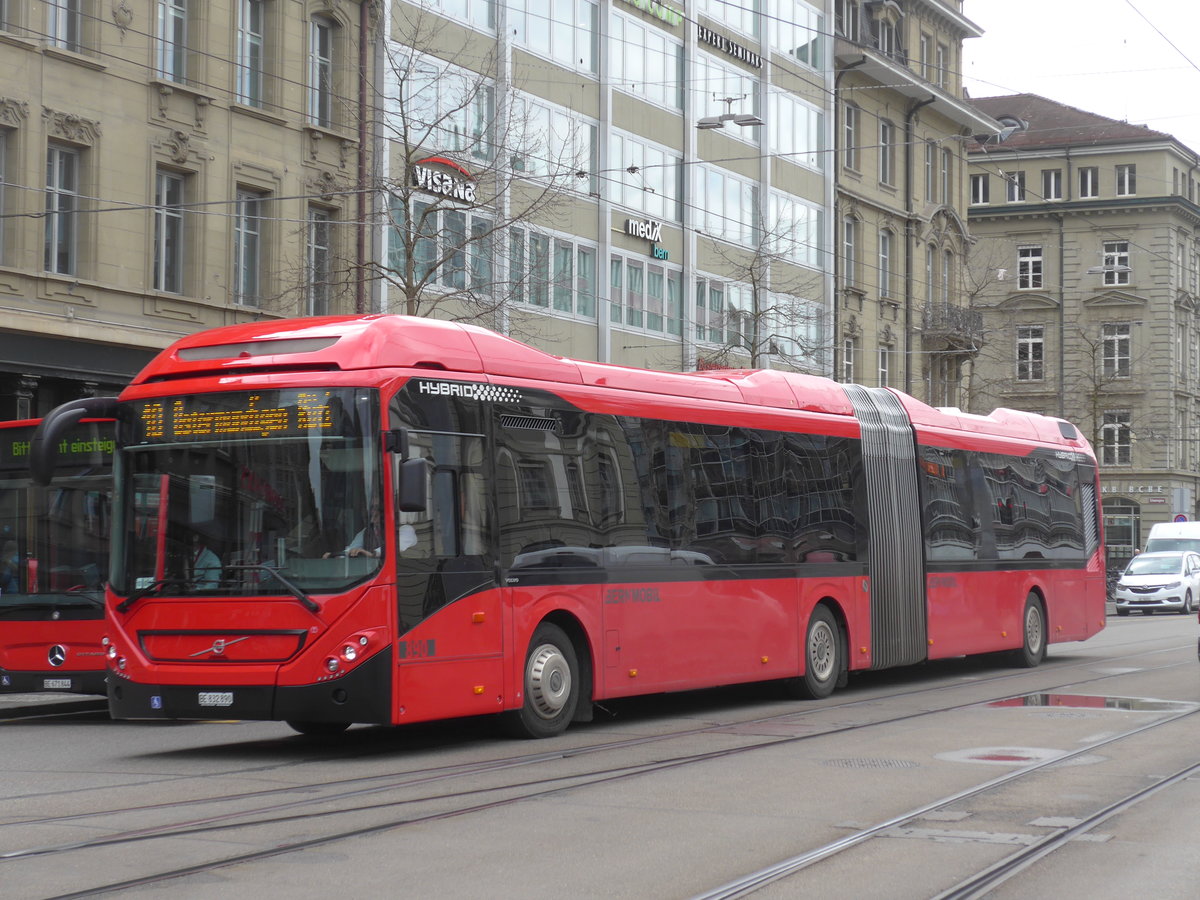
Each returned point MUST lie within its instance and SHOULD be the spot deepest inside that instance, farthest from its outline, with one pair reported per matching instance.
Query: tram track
(467, 802)
(371, 784)
(979, 884)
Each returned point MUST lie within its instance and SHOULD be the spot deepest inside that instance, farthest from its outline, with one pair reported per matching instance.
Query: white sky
(1102, 56)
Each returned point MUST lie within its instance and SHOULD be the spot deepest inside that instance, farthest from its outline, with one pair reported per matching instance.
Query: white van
(1173, 536)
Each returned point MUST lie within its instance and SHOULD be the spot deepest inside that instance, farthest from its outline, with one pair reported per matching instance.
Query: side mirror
(43, 449)
(411, 480)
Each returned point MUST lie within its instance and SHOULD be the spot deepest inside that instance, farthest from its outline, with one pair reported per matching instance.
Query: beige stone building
(168, 166)
(902, 318)
(1086, 272)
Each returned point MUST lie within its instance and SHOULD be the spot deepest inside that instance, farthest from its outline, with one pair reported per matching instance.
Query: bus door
(450, 636)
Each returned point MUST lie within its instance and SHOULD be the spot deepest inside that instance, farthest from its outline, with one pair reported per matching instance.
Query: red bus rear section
(384, 519)
(54, 545)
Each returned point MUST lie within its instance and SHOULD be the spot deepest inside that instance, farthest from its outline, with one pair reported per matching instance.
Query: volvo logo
(57, 655)
(219, 645)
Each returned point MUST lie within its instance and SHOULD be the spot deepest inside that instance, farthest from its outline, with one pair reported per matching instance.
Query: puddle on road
(1090, 701)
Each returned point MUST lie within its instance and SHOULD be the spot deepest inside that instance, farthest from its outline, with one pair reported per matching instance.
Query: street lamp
(743, 119)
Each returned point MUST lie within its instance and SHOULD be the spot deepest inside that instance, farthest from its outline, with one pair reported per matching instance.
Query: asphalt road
(905, 785)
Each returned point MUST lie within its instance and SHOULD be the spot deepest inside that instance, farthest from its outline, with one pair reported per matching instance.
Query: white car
(1159, 581)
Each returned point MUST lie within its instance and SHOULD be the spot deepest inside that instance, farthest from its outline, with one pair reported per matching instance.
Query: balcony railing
(956, 323)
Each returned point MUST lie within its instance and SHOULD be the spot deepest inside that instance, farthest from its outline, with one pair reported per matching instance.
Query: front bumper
(362, 695)
(91, 682)
(1155, 602)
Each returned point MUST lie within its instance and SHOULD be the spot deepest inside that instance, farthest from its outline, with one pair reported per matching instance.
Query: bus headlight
(332, 664)
(349, 653)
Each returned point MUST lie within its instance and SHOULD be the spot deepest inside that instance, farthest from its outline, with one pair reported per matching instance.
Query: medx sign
(648, 229)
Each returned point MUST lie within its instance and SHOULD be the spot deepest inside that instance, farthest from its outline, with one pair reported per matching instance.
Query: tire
(551, 689)
(823, 657)
(1033, 635)
(318, 729)
(1187, 603)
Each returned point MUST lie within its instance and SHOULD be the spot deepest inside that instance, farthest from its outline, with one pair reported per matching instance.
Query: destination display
(242, 414)
(91, 443)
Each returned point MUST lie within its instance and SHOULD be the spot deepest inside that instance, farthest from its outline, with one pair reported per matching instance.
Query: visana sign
(457, 184)
(667, 14)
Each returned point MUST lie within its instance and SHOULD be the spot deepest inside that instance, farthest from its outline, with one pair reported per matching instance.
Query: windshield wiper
(305, 600)
(152, 588)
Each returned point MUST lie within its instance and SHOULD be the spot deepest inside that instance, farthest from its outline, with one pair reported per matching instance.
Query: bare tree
(473, 169)
(771, 310)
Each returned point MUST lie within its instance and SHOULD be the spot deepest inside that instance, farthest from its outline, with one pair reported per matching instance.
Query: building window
(731, 205)
(478, 12)
(646, 62)
(447, 109)
(4, 175)
(710, 311)
(924, 57)
(168, 232)
(795, 231)
(565, 30)
(885, 263)
(1089, 181)
(319, 258)
(1015, 190)
(1031, 352)
(846, 19)
(558, 274)
(947, 172)
(1116, 262)
(849, 352)
(320, 72)
(1116, 438)
(796, 30)
(250, 52)
(1029, 268)
(796, 130)
(885, 356)
(930, 179)
(885, 37)
(887, 152)
(947, 275)
(1051, 184)
(1116, 350)
(850, 129)
(64, 24)
(850, 252)
(930, 256)
(172, 40)
(942, 65)
(650, 179)
(980, 189)
(1126, 180)
(62, 206)
(711, 78)
(247, 247)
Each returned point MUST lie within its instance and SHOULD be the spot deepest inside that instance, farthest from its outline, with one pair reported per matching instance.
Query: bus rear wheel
(318, 729)
(551, 686)
(822, 657)
(1033, 630)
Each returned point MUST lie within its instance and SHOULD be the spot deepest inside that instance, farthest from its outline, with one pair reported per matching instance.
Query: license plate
(216, 698)
(56, 684)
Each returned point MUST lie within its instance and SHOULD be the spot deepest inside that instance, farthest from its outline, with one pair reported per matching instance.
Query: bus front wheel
(551, 686)
(822, 657)
(1033, 630)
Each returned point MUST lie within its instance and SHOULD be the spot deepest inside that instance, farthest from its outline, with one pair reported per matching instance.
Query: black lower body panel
(363, 695)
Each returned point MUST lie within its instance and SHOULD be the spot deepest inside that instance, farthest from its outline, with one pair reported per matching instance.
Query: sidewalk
(48, 704)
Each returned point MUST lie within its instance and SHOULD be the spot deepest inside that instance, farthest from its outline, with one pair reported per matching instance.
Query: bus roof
(380, 341)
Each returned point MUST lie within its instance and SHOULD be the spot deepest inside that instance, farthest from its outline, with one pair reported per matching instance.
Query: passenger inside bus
(206, 565)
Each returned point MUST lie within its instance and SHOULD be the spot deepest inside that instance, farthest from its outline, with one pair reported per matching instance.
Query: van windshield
(1178, 545)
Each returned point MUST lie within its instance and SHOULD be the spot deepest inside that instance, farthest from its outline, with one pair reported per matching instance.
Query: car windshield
(223, 491)
(1155, 565)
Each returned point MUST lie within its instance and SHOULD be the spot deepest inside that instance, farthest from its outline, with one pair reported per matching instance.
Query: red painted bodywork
(691, 635)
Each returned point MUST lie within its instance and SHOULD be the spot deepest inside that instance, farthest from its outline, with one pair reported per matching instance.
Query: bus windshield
(262, 492)
(54, 540)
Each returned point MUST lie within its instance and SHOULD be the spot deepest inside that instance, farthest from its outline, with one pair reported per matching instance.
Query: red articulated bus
(54, 545)
(386, 519)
